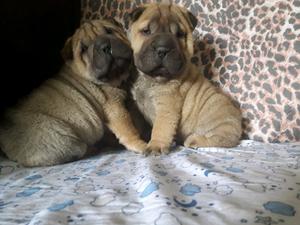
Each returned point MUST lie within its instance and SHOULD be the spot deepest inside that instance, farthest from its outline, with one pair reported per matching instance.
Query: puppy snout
(114, 47)
(163, 45)
(103, 45)
(121, 49)
(106, 48)
(162, 51)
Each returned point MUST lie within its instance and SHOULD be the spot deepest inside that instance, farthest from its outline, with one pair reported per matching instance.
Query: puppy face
(99, 51)
(161, 39)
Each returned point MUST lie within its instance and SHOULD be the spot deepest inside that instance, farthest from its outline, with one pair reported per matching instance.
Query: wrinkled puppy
(68, 113)
(170, 91)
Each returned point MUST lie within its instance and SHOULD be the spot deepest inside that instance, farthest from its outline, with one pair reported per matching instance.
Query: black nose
(106, 47)
(103, 45)
(163, 44)
(162, 51)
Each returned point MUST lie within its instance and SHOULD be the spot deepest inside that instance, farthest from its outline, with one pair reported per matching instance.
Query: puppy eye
(181, 34)
(108, 30)
(83, 48)
(146, 31)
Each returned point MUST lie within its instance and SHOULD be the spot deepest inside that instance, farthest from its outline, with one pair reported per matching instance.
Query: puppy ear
(193, 20)
(67, 51)
(136, 13)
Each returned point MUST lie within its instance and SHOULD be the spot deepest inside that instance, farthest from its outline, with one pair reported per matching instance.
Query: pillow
(250, 49)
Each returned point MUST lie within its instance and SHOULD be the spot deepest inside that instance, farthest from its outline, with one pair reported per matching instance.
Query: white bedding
(254, 183)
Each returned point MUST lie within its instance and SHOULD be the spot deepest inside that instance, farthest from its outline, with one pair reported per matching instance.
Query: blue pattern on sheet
(254, 183)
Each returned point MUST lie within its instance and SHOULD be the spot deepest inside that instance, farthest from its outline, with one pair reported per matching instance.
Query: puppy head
(161, 39)
(99, 51)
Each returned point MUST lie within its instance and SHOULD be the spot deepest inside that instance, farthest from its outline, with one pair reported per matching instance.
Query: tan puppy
(170, 91)
(68, 113)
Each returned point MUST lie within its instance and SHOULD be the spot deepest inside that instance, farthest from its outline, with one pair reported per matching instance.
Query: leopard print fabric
(250, 49)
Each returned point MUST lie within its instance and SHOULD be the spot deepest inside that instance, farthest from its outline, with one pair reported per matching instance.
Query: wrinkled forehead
(164, 17)
(99, 27)
(91, 30)
(116, 26)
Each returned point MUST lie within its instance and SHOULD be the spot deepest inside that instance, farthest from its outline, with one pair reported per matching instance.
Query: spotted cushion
(249, 48)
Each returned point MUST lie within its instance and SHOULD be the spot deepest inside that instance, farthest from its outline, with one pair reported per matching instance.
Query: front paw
(138, 146)
(157, 148)
(196, 141)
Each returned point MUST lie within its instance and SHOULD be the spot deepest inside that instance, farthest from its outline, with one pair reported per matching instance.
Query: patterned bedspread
(253, 183)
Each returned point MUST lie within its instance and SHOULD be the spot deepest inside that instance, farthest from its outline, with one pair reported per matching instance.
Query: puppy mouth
(167, 70)
(151, 64)
(159, 71)
(115, 68)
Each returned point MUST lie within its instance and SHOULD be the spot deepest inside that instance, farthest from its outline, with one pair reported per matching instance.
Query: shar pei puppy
(68, 113)
(170, 91)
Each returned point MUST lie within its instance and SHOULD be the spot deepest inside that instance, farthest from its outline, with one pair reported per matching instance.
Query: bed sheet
(254, 183)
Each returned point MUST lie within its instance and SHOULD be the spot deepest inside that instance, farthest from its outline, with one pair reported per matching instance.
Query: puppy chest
(145, 104)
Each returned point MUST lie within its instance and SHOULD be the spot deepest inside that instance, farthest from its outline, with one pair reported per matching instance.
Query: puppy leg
(43, 158)
(120, 123)
(48, 142)
(218, 138)
(163, 132)
(165, 124)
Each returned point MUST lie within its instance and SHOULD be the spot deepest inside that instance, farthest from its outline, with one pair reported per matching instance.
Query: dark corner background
(32, 35)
